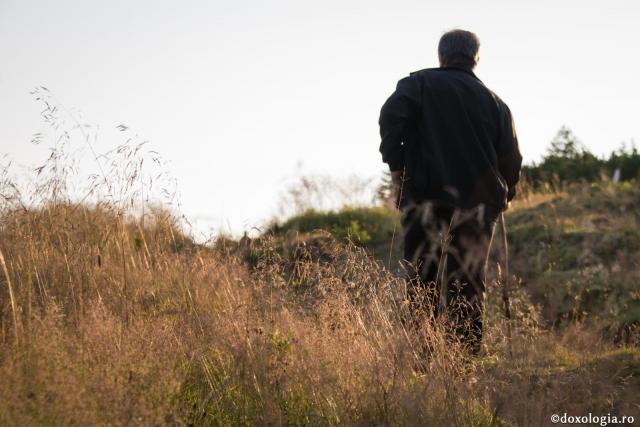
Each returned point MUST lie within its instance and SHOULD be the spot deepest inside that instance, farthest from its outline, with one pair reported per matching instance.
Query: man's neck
(459, 66)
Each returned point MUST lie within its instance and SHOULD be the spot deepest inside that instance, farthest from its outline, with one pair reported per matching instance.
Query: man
(452, 149)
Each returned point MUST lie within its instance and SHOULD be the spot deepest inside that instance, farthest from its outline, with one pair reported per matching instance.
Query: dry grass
(119, 325)
(116, 324)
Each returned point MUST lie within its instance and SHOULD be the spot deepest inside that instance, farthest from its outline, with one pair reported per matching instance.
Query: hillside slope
(110, 321)
(575, 252)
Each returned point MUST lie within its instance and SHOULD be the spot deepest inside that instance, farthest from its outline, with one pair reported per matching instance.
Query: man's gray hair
(459, 47)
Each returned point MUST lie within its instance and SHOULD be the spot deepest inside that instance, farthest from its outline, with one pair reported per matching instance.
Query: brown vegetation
(112, 323)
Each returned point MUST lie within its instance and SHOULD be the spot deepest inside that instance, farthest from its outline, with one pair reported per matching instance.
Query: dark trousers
(445, 248)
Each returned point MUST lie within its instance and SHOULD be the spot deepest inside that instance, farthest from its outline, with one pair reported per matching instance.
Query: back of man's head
(459, 48)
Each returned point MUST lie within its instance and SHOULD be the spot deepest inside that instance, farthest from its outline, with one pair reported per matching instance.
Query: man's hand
(396, 177)
(396, 180)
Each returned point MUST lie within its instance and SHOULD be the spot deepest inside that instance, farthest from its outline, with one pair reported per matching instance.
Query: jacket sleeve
(400, 109)
(509, 157)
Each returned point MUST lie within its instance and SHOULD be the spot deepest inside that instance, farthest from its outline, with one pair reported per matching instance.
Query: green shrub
(360, 225)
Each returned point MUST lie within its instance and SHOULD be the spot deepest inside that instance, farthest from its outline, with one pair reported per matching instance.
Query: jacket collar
(457, 68)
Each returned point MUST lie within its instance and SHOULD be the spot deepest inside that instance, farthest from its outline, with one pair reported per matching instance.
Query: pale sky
(237, 94)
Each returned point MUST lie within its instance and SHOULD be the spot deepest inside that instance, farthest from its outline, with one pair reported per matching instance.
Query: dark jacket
(454, 138)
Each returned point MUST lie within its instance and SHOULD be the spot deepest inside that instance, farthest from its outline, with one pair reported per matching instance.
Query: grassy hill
(108, 320)
(574, 251)
(577, 253)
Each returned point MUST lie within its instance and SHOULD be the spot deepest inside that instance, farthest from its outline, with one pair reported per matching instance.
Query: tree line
(567, 160)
